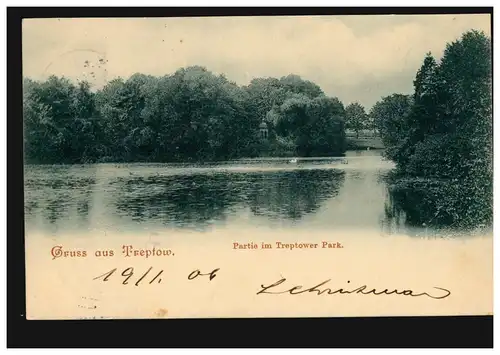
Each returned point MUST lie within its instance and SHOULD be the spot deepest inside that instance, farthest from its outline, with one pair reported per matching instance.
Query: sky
(355, 58)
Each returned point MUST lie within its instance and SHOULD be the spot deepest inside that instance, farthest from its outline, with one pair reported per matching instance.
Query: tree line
(190, 115)
(441, 137)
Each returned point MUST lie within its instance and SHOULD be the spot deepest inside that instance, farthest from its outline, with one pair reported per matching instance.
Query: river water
(313, 194)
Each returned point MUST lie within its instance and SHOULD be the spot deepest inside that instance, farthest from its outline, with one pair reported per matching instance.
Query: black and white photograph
(258, 166)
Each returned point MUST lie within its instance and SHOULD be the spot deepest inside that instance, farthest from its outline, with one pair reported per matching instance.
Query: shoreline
(262, 157)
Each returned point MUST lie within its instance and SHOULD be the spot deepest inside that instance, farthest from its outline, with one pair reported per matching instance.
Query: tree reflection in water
(434, 207)
(61, 193)
(292, 194)
(199, 200)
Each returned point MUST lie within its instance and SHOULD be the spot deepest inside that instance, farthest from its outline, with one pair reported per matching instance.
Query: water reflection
(199, 200)
(292, 194)
(310, 194)
(178, 200)
(432, 207)
(54, 194)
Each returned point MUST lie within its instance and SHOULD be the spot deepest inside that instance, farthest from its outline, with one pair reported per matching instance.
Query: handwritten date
(129, 272)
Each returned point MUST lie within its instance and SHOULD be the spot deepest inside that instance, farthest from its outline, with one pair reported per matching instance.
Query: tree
(356, 117)
(315, 125)
(196, 115)
(266, 93)
(326, 128)
(85, 126)
(389, 116)
(422, 119)
(294, 84)
(445, 140)
(58, 121)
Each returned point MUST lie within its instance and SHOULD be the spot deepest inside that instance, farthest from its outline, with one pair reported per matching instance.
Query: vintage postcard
(276, 166)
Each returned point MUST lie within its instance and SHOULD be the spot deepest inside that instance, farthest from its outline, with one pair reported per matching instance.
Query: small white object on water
(293, 161)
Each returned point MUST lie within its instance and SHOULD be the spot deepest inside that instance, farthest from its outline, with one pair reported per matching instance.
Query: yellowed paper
(147, 197)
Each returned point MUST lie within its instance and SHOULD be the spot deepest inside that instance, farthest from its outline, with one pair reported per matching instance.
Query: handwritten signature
(364, 290)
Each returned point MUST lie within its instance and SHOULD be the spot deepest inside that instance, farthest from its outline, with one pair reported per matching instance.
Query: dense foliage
(190, 115)
(388, 115)
(356, 118)
(315, 125)
(441, 137)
